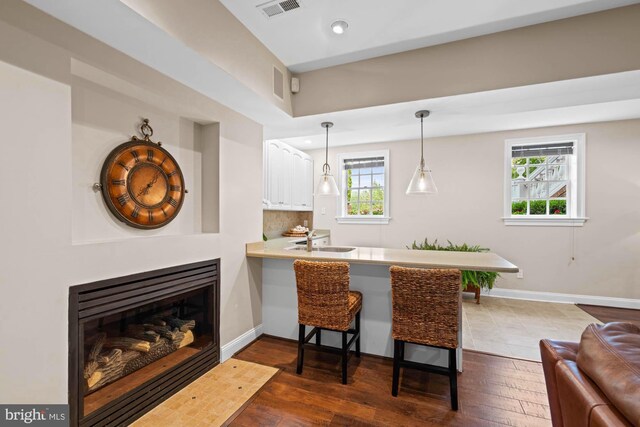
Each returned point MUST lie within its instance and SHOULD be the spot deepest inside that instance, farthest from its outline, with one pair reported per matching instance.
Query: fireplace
(136, 340)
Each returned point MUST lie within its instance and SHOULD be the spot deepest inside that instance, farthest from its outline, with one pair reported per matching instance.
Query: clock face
(142, 184)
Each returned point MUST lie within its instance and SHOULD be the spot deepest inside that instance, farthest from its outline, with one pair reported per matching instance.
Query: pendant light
(327, 185)
(422, 181)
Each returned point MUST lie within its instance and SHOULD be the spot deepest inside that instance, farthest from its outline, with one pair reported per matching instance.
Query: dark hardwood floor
(492, 391)
(612, 314)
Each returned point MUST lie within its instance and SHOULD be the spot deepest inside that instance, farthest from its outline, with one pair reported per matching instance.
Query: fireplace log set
(111, 358)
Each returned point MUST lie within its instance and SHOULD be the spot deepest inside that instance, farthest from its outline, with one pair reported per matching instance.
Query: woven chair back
(426, 305)
(323, 294)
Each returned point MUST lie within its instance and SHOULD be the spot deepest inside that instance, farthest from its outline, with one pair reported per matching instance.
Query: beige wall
(468, 171)
(588, 45)
(38, 258)
(211, 30)
(274, 223)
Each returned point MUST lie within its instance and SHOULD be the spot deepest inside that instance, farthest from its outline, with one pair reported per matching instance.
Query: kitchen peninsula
(369, 274)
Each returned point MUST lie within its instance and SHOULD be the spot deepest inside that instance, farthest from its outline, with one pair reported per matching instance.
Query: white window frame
(341, 215)
(576, 191)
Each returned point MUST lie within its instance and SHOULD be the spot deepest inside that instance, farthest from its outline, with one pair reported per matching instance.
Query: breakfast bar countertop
(486, 261)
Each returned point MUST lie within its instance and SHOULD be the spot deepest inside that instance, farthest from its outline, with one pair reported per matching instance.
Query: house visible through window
(364, 182)
(545, 181)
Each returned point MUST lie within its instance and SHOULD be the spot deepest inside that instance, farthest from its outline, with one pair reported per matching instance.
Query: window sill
(545, 221)
(363, 220)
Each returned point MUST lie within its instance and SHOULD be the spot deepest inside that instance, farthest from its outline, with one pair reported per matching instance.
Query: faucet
(310, 234)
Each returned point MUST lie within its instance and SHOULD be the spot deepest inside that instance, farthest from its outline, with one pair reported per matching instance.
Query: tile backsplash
(274, 223)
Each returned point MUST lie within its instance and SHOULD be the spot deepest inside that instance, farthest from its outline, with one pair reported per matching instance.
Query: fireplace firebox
(136, 340)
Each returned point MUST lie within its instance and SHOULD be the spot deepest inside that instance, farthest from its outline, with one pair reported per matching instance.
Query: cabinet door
(298, 182)
(307, 185)
(265, 177)
(286, 172)
(273, 174)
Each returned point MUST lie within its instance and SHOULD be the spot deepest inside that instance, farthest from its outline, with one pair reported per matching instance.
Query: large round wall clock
(142, 183)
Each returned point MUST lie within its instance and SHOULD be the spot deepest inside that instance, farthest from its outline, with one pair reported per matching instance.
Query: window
(544, 181)
(364, 182)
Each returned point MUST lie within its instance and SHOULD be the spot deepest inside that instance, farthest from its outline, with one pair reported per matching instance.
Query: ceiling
(585, 100)
(592, 99)
(302, 39)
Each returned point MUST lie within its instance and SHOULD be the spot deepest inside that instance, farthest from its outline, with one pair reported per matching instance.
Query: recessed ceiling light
(307, 141)
(339, 27)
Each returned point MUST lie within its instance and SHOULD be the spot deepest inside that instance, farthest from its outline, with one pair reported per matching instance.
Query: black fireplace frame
(98, 299)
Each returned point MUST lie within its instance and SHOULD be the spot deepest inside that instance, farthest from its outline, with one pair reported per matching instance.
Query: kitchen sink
(322, 248)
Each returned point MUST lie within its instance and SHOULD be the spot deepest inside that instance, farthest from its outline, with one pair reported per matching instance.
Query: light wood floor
(211, 399)
(493, 391)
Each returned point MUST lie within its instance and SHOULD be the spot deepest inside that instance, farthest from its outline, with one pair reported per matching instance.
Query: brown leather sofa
(595, 382)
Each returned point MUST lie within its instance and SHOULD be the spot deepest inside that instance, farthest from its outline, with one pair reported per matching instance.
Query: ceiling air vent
(275, 8)
(288, 5)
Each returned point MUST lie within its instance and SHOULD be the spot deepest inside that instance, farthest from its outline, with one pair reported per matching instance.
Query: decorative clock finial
(146, 130)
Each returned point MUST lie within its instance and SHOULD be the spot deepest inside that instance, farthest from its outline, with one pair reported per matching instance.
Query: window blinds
(370, 162)
(540, 150)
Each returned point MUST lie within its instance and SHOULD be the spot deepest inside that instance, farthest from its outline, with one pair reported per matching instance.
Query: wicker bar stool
(426, 309)
(325, 302)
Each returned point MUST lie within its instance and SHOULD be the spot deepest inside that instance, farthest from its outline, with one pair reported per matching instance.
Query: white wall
(468, 171)
(38, 260)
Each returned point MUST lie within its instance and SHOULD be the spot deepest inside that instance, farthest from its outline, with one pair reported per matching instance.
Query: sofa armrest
(552, 352)
(580, 398)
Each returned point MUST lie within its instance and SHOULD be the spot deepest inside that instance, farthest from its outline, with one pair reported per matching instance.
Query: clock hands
(145, 190)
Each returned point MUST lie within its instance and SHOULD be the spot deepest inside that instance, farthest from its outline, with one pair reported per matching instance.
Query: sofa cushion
(607, 416)
(610, 355)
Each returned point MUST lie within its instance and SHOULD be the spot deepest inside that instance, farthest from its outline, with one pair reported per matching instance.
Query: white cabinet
(273, 168)
(286, 172)
(302, 187)
(307, 192)
(288, 176)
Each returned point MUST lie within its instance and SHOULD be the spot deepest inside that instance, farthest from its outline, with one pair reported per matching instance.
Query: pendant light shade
(422, 182)
(327, 185)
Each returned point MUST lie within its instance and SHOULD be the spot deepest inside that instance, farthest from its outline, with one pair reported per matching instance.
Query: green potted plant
(472, 281)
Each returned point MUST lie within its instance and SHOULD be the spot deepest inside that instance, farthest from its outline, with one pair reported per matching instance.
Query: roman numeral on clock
(136, 212)
(150, 155)
(150, 215)
(174, 187)
(163, 211)
(117, 182)
(170, 174)
(163, 161)
(134, 153)
(173, 202)
(123, 166)
(123, 199)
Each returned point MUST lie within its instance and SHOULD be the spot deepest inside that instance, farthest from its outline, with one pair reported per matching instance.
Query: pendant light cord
(325, 167)
(422, 141)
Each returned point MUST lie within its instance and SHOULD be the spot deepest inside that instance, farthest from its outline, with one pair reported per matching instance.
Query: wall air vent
(274, 7)
(278, 83)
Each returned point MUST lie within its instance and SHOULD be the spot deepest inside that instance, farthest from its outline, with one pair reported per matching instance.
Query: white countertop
(486, 261)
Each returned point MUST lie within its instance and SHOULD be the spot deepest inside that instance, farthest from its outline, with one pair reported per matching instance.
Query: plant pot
(474, 290)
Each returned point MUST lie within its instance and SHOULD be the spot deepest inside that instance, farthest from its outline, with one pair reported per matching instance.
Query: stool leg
(358, 332)
(301, 332)
(345, 353)
(453, 378)
(318, 337)
(396, 367)
(402, 351)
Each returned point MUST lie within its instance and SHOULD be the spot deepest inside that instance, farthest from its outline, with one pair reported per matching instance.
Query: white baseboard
(232, 347)
(563, 298)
